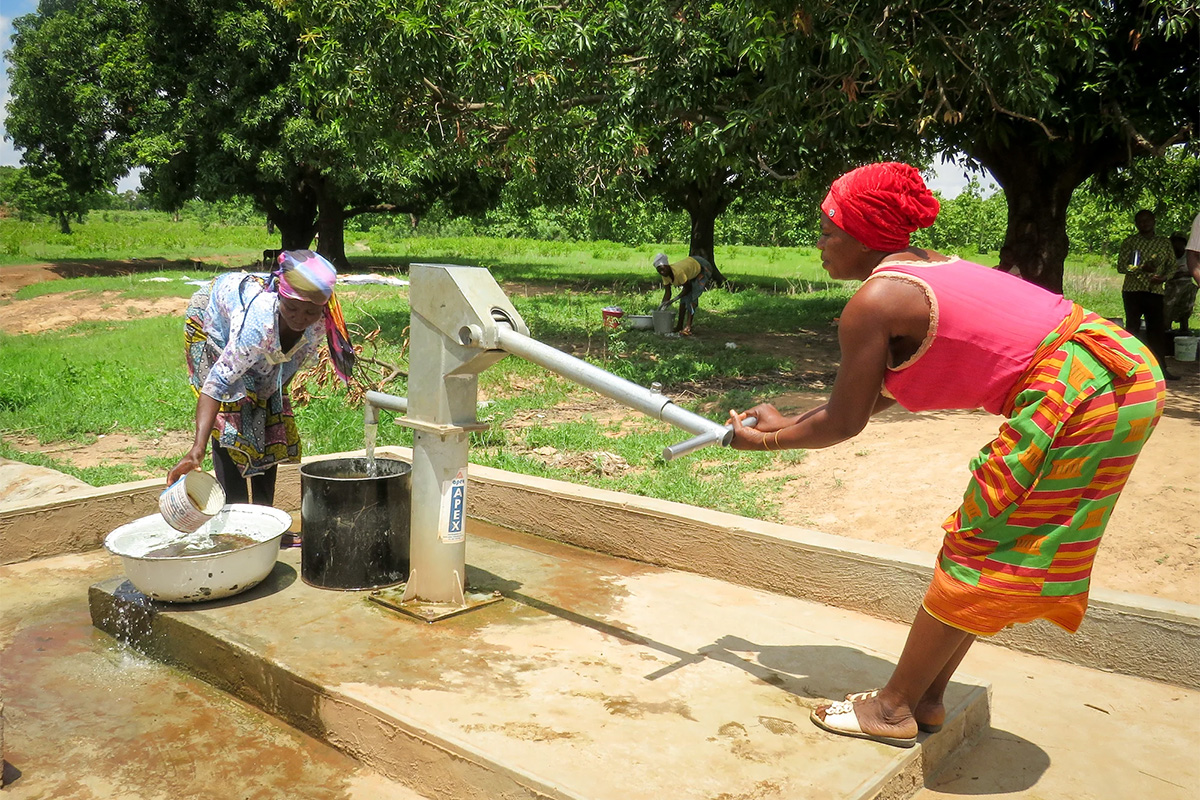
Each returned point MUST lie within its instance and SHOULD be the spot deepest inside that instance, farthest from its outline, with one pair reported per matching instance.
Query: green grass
(93, 378)
(122, 235)
(95, 476)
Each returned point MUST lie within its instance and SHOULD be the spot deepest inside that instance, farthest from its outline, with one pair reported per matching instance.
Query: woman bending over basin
(246, 336)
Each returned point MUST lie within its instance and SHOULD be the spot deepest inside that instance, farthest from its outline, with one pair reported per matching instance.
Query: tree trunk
(1038, 183)
(331, 236)
(296, 220)
(64, 222)
(704, 202)
(1036, 239)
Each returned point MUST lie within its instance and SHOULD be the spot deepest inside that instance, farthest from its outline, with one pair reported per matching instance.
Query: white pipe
(392, 402)
(723, 437)
(654, 404)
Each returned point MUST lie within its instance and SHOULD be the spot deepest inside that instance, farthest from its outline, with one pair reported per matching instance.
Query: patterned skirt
(1022, 543)
(258, 430)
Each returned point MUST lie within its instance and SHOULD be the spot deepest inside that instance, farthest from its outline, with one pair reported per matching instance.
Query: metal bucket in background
(354, 527)
(1185, 348)
(664, 320)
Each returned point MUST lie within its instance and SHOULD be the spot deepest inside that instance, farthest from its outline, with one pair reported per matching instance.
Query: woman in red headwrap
(1078, 396)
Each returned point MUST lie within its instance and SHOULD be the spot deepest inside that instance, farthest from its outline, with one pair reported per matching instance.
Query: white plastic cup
(191, 501)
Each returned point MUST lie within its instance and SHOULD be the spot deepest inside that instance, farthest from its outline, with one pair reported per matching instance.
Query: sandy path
(899, 479)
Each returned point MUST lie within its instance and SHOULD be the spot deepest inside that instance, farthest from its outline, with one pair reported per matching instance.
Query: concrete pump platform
(594, 679)
(596, 676)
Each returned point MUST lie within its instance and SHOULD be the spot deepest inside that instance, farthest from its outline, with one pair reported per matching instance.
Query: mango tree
(66, 113)
(1042, 94)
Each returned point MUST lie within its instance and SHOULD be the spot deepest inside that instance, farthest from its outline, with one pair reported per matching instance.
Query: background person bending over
(1078, 395)
(1147, 261)
(693, 275)
(245, 337)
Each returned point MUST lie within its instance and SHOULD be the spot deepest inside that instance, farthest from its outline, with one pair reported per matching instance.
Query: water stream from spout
(370, 431)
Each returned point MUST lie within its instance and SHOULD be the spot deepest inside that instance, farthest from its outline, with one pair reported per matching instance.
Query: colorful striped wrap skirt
(259, 430)
(1022, 544)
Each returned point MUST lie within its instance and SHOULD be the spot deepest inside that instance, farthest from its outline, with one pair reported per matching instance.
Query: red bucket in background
(612, 316)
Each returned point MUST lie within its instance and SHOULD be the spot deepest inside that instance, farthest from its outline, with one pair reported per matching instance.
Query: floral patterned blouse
(242, 322)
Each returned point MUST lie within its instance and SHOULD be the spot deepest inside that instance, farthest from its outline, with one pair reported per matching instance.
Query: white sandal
(841, 719)
(857, 697)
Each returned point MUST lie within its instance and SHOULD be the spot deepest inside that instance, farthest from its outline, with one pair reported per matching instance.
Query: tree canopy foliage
(320, 109)
(71, 100)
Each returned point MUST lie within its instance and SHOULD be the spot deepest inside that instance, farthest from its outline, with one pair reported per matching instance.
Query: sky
(947, 179)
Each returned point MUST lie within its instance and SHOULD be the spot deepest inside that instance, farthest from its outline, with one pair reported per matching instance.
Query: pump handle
(723, 437)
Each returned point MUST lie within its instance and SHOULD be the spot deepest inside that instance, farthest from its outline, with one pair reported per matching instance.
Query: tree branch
(1184, 134)
(762, 164)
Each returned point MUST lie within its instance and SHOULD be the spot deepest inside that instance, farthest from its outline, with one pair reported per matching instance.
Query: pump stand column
(438, 543)
(450, 306)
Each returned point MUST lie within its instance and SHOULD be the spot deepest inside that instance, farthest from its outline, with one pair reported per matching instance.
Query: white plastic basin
(197, 578)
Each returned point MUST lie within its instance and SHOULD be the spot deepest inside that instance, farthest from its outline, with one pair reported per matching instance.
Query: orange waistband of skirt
(986, 612)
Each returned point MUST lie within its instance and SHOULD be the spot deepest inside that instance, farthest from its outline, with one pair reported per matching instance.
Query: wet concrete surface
(87, 718)
(594, 678)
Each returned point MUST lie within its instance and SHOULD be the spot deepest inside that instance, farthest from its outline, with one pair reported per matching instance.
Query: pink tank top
(984, 327)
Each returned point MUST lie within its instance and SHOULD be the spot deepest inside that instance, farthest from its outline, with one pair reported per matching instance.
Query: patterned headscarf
(881, 204)
(305, 275)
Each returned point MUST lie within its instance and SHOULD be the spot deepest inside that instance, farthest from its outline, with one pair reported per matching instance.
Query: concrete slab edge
(912, 769)
(1127, 633)
(396, 748)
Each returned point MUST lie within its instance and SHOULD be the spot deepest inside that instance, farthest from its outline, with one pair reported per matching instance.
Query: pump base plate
(392, 597)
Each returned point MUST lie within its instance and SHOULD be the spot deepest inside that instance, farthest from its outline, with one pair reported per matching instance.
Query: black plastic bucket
(354, 528)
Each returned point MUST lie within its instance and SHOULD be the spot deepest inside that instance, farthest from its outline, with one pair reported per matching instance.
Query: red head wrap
(881, 204)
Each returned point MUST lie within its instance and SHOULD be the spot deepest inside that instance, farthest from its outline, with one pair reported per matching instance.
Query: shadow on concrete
(1000, 763)
(279, 578)
(11, 775)
(808, 671)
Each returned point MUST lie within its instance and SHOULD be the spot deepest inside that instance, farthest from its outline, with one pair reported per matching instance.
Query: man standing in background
(1146, 260)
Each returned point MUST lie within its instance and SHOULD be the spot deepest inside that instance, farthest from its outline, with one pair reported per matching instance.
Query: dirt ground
(894, 483)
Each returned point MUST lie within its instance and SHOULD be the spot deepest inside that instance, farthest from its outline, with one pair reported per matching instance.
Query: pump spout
(378, 400)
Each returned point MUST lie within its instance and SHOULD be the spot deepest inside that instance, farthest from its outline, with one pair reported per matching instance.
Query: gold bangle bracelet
(767, 442)
(777, 447)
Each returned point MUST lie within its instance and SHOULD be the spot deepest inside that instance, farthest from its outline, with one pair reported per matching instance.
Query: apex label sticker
(452, 521)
